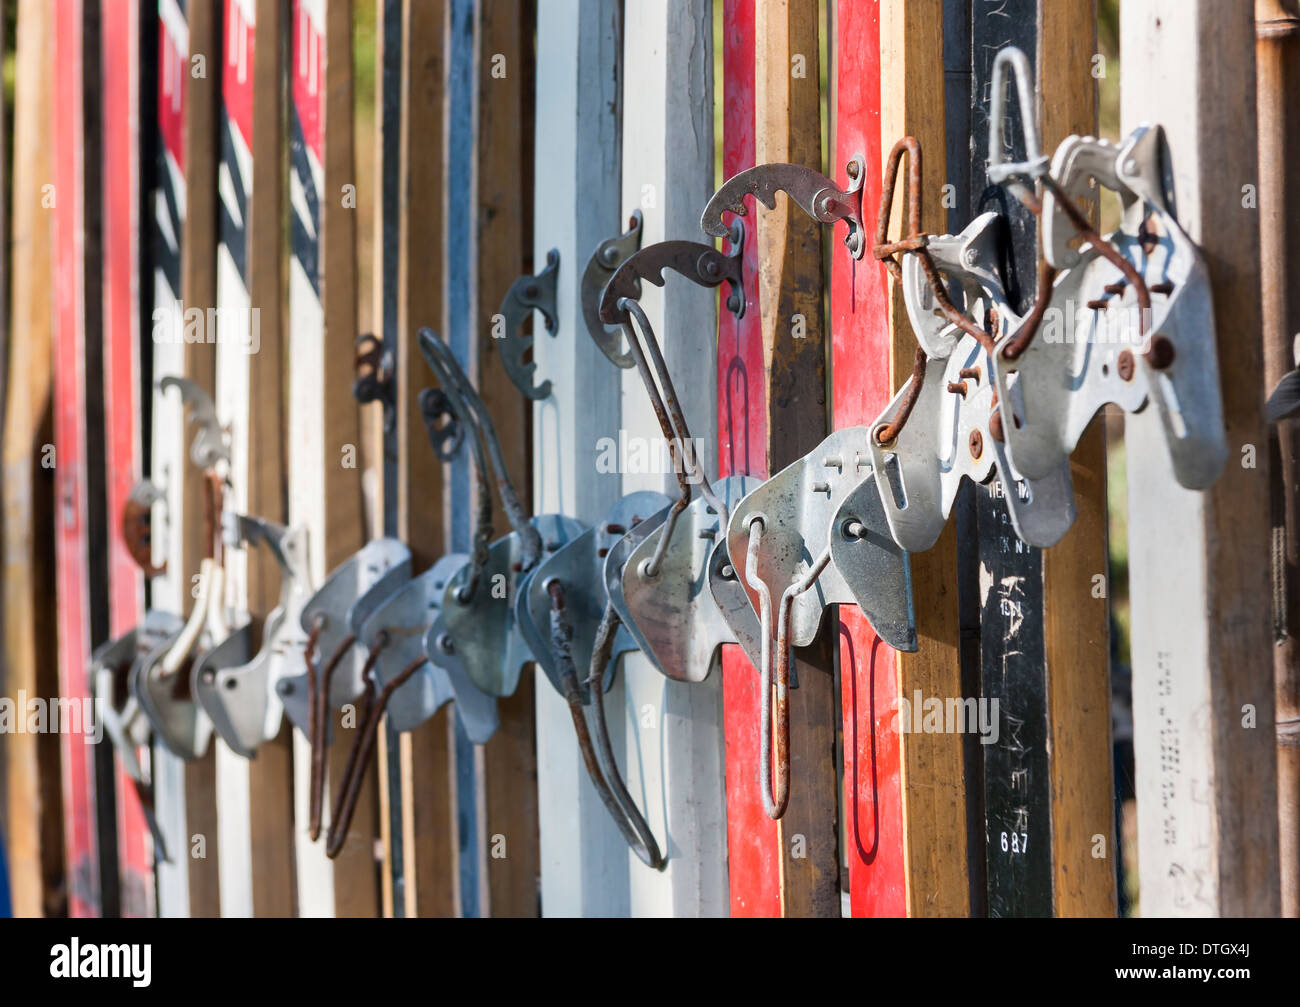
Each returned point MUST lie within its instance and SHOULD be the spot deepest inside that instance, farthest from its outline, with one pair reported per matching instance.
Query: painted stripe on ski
(122, 212)
(753, 844)
(71, 514)
(674, 743)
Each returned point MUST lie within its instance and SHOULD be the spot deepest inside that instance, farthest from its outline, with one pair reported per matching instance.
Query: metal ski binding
(942, 424)
(242, 692)
(661, 578)
(810, 190)
(608, 256)
(486, 618)
(161, 682)
(480, 600)
(526, 295)
(332, 675)
(119, 710)
(400, 681)
(1138, 318)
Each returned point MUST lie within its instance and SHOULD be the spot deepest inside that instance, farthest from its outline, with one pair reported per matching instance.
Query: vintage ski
(1203, 702)
(36, 855)
(753, 843)
(81, 846)
(256, 802)
(120, 72)
(183, 256)
(674, 741)
(505, 772)
(323, 459)
(1043, 631)
(584, 860)
(791, 867)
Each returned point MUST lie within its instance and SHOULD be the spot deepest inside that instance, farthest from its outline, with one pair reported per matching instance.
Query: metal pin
(957, 388)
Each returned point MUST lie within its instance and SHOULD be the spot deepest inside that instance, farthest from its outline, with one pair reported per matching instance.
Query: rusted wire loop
(318, 693)
(886, 433)
(363, 754)
(1029, 326)
(474, 415)
(915, 241)
(774, 714)
(667, 407)
(1107, 251)
(313, 676)
(604, 773)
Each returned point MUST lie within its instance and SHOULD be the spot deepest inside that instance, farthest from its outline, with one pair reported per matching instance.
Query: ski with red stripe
(792, 869)
(71, 477)
(753, 851)
(324, 477)
(120, 48)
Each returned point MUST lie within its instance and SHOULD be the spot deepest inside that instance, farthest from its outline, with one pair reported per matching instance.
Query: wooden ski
(34, 816)
(753, 844)
(1203, 703)
(506, 848)
(1042, 627)
(120, 63)
(184, 276)
(904, 803)
(411, 268)
(71, 464)
(790, 868)
(584, 859)
(673, 729)
(324, 474)
(255, 797)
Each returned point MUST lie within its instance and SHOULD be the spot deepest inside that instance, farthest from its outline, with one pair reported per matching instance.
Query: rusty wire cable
(607, 781)
(672, 421)
(318, 691)
(362, 754)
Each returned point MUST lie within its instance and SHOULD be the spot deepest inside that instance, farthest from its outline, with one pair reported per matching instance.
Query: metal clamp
(480, 601)
(1019, 176)
(810, 190)
(401, 683)
(333, 671)
(119, 711)
(526, 295)
(608, 256)
(579, 567)
(243, 696)
(376, 377)
(137, 526)
(486, 611)
(662, 577)
(1137, 320)
(161, 683)
(943, 424)
(701, 264)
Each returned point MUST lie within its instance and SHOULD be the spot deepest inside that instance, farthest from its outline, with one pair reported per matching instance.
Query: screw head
(1161, 352)
(995, 427)
(530, 290)
(1124, 366)
(976, 444)
(969, 257)
(852, 169)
